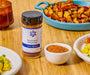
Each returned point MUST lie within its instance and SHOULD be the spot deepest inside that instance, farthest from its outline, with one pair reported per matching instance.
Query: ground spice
(57, 49)
(32, 54)
(31, 34)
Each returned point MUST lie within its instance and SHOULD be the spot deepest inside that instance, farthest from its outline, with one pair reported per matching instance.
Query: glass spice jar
(32, 34)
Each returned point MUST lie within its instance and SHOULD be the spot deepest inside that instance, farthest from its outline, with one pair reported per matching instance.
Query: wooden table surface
(12, 38)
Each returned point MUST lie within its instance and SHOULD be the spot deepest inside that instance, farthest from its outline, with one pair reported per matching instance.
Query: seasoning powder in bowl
(57, 53)
(57, 49)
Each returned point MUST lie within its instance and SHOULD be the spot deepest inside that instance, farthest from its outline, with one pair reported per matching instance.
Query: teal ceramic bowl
(64, 25)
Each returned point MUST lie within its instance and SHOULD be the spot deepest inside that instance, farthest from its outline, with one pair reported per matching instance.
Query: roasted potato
(46, 11)
(74, 15)
(68, 12)
(69, 19)
(75, 20)
(87, 12)
(50, 12)
(60, 14)
(81, 10)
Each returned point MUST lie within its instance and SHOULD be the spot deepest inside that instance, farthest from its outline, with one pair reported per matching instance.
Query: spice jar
(32, 34)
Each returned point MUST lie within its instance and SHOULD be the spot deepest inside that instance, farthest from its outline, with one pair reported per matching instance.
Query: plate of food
(10, 62)
(69, 15)
(82, 47)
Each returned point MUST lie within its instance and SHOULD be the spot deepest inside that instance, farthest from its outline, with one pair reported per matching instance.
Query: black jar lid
(32, 17)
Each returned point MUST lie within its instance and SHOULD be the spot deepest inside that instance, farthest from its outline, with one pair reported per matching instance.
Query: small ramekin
(58, 58)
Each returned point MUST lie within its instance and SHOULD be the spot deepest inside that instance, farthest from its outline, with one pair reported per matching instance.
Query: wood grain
(12, 38)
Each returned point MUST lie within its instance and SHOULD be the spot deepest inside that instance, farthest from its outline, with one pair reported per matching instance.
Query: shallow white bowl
(58, 58)
(14, 58)
(79, 43)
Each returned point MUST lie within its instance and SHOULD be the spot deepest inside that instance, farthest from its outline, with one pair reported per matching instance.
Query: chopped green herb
(88, 55)
(2, 61)
(3, 55)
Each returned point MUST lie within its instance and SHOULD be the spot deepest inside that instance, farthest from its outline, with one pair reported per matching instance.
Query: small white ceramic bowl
(58, 58)
(79, 43)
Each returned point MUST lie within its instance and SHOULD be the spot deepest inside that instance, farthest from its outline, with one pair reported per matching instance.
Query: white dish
(58, 58)
(14, 58)
(78, 45)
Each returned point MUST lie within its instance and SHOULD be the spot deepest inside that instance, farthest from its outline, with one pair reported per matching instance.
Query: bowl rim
(20, 64)
(65, 22)
(60, 44)
(81, 55)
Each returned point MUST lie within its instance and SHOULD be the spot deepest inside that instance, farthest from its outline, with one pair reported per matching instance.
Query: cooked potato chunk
(59, 5)
(60, 14)
(87, 12)
(55, 8)
(84, 20)
(46, 11)
(84, 15)
(68, 12)
(75, 12)
(55, 15)
(69, 19)
(81, 10)
(74, 15)
(50, 12)
(75, 20)
(79, 15)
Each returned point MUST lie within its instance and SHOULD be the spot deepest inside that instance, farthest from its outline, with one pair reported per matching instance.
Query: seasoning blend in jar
(32, 34)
